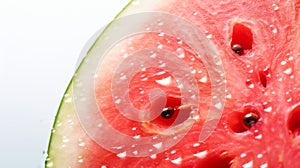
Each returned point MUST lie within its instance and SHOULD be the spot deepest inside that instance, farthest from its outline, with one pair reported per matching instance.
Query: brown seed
(250, 119)
(167, 112)
(237, 49)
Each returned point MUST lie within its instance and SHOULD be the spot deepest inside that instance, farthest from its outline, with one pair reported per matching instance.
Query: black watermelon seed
(168, 112)
(250, 119)
(237, 49)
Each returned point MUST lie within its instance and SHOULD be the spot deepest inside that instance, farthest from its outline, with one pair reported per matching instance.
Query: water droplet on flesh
(122, 155)
(157, 145)
(203, 79)
(49, 164)
(248, 165)
(259, 156)
(275, 6)
(268, 109)
(153, 156)
(288, 71)
(196, 144)
(201, 155)
(264, 165)
(177, 161)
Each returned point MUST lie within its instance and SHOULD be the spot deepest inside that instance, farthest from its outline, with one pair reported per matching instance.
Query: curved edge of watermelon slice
(67, 107)
(68, 93)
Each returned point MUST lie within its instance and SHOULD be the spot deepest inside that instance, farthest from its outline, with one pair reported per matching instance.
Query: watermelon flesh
(243, 112)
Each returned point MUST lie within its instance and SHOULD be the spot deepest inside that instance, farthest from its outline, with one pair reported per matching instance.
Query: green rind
(71, 82)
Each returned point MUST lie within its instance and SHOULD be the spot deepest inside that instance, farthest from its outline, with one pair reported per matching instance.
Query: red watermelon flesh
(258, 44)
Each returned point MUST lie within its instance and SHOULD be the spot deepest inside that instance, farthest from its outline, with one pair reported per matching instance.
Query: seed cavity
(294, 122)
(263, 76)
(241, 121)
(242, 39)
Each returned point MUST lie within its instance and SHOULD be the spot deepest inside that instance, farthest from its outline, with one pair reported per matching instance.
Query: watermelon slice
(186, 84)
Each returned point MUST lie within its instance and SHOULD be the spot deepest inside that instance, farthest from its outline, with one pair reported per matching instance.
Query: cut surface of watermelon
(186, 84)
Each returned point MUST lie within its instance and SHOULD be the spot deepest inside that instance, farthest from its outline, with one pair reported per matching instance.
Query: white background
(40, 41)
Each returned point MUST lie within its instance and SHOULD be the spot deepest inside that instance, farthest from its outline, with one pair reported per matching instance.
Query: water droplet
(288, 71)
(195, 13)
(268, 109)
(133, 129)
(193, 71)
(283, 62)
(249, 83)
(103, 166)
(173, 152)
(243, 155)
(162, 65)
(248, 165)
(259, 156)
(209, 36)
(165, 81)
(181, 53)
(123, 77)
(251, 86)
(144, 79)
(201, 155)
(192, 58)
(136, 137)
(158, 145)
(196, 117)
(218, 105)
(161, 34)
(177, 161)
(135, 152)
(160, 46)
(153, 156)
(118, 147)
(196, 144)
(258, 136)
(289, 99)
(80, 160)
(229, 96)
(68, 100)
(49, 164)
(100, 125)
(274, 29)
(203, 79)
(153, 55)
(122, 155)
(275, 6)
(81, 144)
(180, 86)
(264, 165)
(118, 101)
